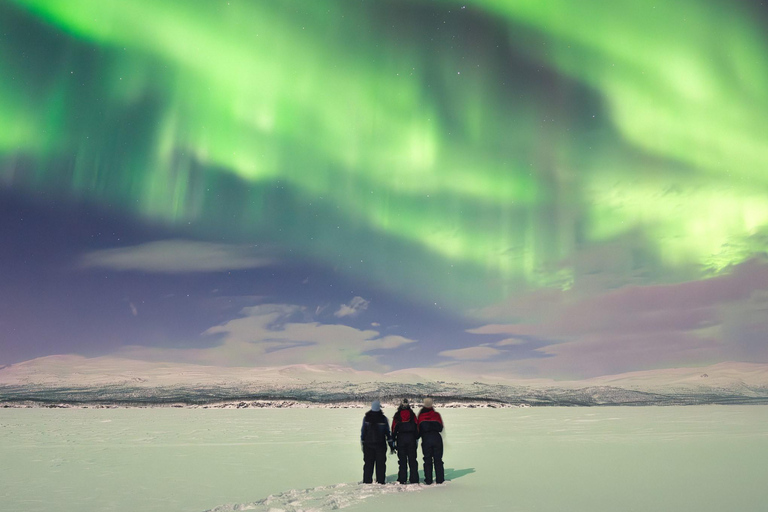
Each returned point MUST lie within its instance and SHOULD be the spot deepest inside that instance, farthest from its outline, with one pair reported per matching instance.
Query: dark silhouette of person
(406, 438)
(374, 437)
(430, 424)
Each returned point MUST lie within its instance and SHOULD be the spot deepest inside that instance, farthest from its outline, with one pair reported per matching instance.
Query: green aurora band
(439, 151)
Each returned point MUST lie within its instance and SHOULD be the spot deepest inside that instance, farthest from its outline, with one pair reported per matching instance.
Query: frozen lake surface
(704, 458)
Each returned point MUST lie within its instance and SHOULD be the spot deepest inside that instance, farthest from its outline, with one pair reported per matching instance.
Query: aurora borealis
(486, 177)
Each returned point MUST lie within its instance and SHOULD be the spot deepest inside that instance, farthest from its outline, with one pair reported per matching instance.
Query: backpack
(375, 431)
(408, 425)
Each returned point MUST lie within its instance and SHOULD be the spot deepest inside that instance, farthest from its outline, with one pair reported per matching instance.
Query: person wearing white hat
(430, 424)
(374, 437)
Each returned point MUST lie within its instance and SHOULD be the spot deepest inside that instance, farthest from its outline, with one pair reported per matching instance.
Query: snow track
(318, 499)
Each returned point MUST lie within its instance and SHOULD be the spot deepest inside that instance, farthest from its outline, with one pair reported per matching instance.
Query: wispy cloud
(471, 353)
(723, 318)
(176, 257)
(510, 342)
(355, 307)
(270, 334)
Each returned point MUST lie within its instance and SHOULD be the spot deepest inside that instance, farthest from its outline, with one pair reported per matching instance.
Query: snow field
(709, 458)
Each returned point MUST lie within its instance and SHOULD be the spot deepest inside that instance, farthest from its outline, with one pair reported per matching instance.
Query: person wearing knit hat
(374, 437)
(405, 435)
(430, 424)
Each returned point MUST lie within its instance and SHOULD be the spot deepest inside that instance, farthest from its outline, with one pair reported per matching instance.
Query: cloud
(134, 311)
(510, 342)
(723, 318)
(611, 354)
(746, 322)
(471, 353)
(355, 307)
(271, 335)
(175, 257)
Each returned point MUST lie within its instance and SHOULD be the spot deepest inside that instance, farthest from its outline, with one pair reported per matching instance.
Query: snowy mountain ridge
(80, 380)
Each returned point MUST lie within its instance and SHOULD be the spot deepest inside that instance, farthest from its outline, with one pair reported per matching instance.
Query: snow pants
(374, 455)
(432, 448)
(406, 456)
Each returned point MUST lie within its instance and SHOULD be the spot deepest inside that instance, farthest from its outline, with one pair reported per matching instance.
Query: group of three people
(407, 429)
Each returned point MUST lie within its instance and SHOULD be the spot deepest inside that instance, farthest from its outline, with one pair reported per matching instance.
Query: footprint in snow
(329, 497)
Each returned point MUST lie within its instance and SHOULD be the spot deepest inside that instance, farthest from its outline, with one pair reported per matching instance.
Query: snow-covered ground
(702, 458)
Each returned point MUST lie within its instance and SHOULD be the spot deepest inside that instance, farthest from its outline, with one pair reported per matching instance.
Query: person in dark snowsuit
(430, 424)
(374, 437)
(406, 437)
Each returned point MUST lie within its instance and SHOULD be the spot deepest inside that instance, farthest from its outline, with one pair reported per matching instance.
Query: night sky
(539, 189)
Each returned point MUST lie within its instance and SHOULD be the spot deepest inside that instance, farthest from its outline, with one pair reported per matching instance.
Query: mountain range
(78, 380)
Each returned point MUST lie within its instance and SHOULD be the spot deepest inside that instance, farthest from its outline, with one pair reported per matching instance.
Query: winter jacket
(429, 422)
(404, 430)
(375, 430)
